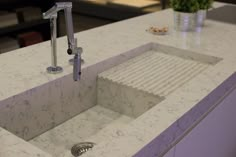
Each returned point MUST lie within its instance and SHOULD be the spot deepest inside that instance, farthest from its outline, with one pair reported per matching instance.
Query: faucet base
(54, 70)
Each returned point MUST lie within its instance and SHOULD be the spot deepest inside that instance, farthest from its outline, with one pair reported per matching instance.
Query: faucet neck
(56, 8)
(52, 13)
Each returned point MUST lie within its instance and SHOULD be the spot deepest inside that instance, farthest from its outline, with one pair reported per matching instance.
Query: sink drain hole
(81, 148)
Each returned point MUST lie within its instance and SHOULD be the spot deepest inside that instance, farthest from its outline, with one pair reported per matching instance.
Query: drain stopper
(81, 148)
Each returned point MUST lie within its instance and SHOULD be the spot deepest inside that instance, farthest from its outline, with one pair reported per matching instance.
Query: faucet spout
(77, 67)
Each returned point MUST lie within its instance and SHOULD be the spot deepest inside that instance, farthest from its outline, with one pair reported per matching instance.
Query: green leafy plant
(188, 6)
(205, 4)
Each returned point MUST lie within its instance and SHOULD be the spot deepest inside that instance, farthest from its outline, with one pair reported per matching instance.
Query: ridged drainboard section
(155, 73)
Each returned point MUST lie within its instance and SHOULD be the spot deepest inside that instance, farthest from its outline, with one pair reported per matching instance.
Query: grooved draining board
(154, 72)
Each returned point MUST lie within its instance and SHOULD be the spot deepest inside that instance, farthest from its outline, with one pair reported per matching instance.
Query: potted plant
(185, 12)
(204, 5)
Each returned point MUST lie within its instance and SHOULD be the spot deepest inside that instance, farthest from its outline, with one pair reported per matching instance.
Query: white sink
(110, 95)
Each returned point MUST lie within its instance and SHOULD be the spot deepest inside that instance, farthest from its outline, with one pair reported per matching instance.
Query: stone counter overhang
(24, 69)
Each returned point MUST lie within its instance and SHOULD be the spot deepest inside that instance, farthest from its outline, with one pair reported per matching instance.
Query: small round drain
(81, 148)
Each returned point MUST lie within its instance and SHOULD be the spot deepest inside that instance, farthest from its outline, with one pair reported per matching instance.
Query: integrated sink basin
(111, 94)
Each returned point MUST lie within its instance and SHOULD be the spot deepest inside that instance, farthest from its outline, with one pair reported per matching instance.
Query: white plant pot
(184, 21)
(201, 17)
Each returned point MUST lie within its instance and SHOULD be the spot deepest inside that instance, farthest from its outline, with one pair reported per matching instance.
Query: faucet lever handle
(77, 50)
(69, 51)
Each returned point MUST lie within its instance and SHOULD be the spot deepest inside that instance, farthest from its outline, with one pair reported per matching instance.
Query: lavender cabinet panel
(215, 136)
(170, 153)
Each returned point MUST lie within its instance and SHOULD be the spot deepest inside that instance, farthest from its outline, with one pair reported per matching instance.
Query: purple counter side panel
(178, 129)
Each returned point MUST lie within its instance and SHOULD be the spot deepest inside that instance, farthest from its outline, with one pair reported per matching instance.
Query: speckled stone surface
(59, 140)
(12, 146)
(24, 70)
(37, 110)
(184, 124)
(123, 99)
(135, 86)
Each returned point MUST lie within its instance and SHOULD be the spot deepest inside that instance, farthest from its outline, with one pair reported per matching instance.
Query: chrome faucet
(72, 42)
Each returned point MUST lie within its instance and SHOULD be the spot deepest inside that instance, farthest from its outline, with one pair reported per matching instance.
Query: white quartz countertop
(12, 146)
(24, 69)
